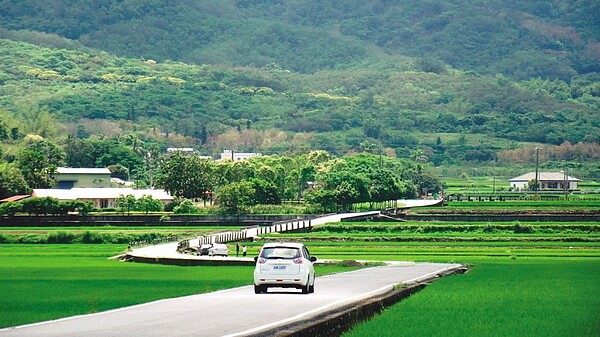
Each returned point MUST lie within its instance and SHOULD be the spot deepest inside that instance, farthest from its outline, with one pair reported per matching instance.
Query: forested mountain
(522, 39)
(446, 82)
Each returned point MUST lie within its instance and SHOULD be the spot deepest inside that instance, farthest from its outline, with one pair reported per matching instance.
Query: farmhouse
(67, 177)
(547, 181)
(101, 197)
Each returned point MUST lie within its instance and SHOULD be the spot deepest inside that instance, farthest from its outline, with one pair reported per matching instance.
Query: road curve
(234, 312)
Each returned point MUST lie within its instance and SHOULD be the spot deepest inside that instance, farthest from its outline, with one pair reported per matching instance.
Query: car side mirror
(313, 259)
(255, 258)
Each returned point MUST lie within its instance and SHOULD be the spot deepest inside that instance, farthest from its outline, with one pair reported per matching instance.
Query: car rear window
(280, 253)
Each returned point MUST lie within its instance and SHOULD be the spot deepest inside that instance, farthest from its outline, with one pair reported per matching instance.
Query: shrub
(92, 237)
(10, 208)
(61, 237)
(31, 238)
(520, 229)
(186, 207)
(170, 207)
(36, 206)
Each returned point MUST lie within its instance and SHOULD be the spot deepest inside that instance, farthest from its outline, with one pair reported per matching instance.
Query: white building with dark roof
(547, 181)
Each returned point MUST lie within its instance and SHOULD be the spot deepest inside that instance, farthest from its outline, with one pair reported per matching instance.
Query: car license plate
(279, 267)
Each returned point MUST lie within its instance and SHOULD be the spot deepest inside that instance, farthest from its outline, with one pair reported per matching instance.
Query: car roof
(283, 244)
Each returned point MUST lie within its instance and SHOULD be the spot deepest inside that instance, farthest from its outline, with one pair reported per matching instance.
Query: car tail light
(298, 261)
(262, 261)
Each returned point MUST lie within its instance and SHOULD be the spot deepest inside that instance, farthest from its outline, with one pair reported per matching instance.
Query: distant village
(97, 186)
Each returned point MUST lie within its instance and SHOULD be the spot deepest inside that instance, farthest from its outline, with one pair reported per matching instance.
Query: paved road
(233, 312)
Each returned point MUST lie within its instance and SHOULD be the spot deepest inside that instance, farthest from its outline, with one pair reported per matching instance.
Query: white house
(101, 197)
(237, 156)
(547, 180)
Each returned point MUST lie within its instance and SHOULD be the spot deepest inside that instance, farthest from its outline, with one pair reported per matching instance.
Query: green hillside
(549, 39)
(341, 108)
(444, 82)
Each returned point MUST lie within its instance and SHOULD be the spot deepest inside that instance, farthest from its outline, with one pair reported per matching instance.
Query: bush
(37, 206)
(31, 238)
(92, 237)
(10, 208)
(520, 229)
(186, 207)
(170, 207)
(61, 237)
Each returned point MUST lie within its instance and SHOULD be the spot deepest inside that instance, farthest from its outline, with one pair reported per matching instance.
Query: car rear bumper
(289, 281)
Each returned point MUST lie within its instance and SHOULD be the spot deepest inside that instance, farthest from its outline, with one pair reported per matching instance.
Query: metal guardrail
(249, 232)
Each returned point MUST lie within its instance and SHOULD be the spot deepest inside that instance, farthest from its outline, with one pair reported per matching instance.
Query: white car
(284, 265)
(213, 249)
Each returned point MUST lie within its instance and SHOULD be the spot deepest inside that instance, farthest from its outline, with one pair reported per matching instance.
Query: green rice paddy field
(48, 281)
(500, 297)
(543, 282)
(519, 284)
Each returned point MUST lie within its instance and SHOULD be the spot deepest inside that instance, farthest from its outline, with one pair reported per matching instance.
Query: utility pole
(537, 181)
(567, 183)
(494, 181)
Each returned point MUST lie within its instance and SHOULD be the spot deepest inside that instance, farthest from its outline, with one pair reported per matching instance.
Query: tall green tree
(12, 181)
(148, 204)
(38, 162)
(265, 192)
(187, 176)
(126, 203)
(236, 198)
(119, 153)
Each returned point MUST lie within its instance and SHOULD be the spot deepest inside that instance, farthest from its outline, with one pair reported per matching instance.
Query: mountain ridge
(548, 39)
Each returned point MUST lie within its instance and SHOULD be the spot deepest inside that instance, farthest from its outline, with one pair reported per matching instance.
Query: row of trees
(45, 206)
(319, 178)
